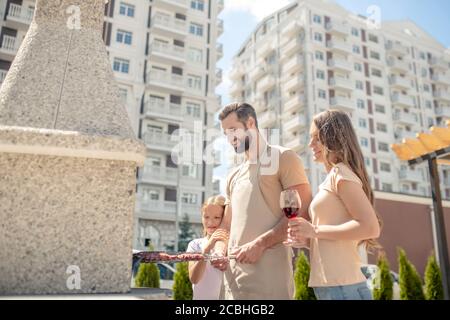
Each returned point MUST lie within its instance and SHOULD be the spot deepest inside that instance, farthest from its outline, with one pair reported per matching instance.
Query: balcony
(159, 175)
(294, 64)
(442, 111)
(267, 119)
(293, 83)
(298, 143)
(298, 121)
(257, 72)
(336, 28)
(172, 5)
(19, 16)
(160, 140)
(236, 89)
(441, 95)
(342, 102)
(396, 48)
(219, 76)
(220, 6)
(219, 50)
(236, 72)
(169, 26)
(340, 65)
(441, 78)
(266, 83)
(3, 74)
(411, 175)
(439, 63)
(291, 30)
(166, 210)
(219, 27)
(402, 100)
(292, 46)
(399, 83)
(339, 83)
(162, 109)
(401, 134)
(406, 118)
(161, 51)
(398, 65)
(265, 48)
(9, 47)
(339, 46)
(165, 80)
(295, 103)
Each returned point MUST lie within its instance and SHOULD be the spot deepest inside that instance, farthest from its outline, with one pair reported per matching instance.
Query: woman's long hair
(214, 200)
(338, 137)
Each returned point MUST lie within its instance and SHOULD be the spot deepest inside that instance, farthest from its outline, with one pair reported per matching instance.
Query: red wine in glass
(290, 212)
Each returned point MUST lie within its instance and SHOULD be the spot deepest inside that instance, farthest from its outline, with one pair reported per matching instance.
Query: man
(262, 268)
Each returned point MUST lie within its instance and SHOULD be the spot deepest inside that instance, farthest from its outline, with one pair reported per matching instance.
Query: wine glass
(291, 203)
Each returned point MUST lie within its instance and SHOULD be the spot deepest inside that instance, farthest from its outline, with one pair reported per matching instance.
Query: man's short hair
(243, 112)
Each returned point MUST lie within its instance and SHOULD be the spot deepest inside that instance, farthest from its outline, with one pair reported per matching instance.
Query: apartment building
(393, 79)
(163, 54)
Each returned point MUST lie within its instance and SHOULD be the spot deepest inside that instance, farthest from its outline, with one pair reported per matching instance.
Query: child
(207, 280)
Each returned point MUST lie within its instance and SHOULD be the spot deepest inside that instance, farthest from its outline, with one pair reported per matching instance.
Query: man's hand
(249, 253)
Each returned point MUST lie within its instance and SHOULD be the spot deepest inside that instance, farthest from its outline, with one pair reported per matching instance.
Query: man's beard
(243, 147)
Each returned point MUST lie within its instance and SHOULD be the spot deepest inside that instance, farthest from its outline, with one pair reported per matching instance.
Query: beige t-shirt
(333, 262)
(290, 173)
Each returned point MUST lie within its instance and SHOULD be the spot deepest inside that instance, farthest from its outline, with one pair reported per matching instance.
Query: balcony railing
(163, 108)
(153, 138)
(20, 13)
(10, 44)
(166, 78)
(173, 24)
(167, 49)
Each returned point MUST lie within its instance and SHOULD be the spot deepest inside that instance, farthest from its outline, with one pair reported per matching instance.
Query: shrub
(410, 282)
(383, 283)
(147, 276)
(301, 277)
(182, 287)
(433, 280)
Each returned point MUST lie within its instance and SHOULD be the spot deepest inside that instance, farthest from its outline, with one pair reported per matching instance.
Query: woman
(342, 213)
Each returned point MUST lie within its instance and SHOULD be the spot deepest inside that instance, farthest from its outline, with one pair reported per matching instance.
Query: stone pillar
(68, 160)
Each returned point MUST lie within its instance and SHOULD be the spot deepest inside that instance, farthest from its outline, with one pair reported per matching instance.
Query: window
(318, 37)
(428, 104)
(386, 187)
(383, 146)
(367, 162)
(123, 94)
(426, 88)
(322, 94)
(422, 55)
(317, 19)
(320, 74)
(198, 5)
(359, 85)
(319, 55)
(430, 122)
(360, 104)
(124, 37)
(380, 109)
(121, 65)
(373, 38)
(424, 72)
(381, 127)
(153, 161)
(356, 49)
(362, 123)
(150, 194)
(375, 55)
(196, 29)
(378, 90)
(194, 82)
(364, 142)
(376, 73)
(190, 198)
(386, 167)
(195, 55)
(193, 110)
(189, 171)
(126, 9)
(358, 67)
(355, 32)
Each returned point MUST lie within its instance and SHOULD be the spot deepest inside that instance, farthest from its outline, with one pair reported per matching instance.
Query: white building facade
(393, 79)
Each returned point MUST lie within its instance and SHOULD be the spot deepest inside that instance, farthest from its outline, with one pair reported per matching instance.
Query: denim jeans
(358, 291)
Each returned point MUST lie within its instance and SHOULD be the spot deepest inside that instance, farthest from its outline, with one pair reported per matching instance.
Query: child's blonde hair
(214, 200)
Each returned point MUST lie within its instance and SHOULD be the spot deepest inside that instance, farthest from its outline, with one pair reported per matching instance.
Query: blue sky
(241, 17)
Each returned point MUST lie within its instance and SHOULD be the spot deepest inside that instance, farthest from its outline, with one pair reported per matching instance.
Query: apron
(271, 277)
